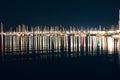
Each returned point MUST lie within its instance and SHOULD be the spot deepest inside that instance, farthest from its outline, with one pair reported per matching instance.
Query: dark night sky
(56, 12)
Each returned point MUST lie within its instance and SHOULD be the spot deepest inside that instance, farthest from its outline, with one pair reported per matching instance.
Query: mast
(119, 19)
(1, 28)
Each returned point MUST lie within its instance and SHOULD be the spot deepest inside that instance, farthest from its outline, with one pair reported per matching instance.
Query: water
(64, 57)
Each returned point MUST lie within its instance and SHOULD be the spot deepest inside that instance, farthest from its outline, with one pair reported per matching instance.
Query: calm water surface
(67, 56)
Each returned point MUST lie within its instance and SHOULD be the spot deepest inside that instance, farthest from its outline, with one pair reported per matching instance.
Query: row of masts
(26, 28)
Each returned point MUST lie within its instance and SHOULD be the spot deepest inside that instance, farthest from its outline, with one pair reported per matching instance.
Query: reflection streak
(58, 43)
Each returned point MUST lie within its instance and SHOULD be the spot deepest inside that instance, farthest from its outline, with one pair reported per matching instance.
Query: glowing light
(110, 45)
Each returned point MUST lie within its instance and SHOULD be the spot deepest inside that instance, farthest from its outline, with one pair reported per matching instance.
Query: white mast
(119, 19)
(1, 28)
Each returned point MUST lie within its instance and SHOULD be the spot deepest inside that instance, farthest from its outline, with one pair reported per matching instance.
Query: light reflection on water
(76, 45)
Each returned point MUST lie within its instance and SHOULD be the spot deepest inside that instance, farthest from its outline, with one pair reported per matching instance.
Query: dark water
(38, 57)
